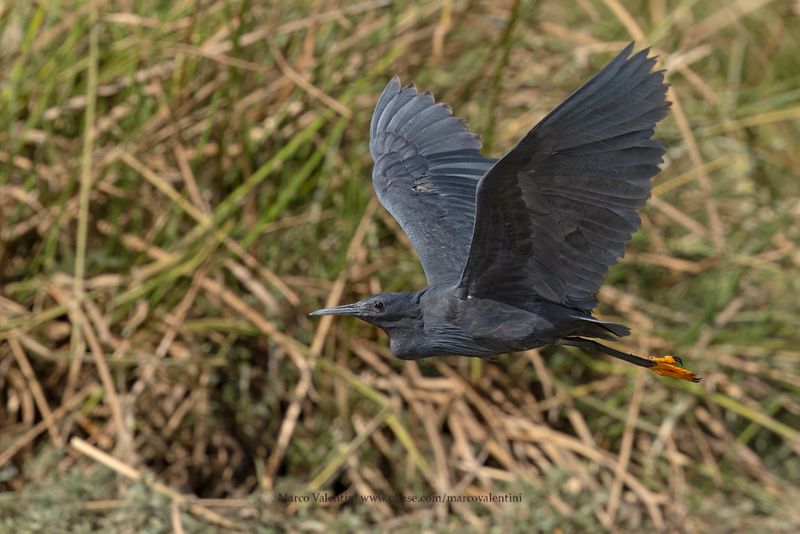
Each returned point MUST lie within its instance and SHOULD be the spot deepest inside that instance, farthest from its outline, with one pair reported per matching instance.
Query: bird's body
(436, 322)
(515, 249)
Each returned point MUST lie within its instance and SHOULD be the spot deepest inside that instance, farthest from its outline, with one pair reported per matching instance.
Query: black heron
(515, 249)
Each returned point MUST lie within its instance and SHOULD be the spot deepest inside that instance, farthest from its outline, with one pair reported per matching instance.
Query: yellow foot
(672, 366)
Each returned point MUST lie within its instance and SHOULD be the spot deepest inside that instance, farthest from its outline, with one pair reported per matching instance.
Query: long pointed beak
(344, 309)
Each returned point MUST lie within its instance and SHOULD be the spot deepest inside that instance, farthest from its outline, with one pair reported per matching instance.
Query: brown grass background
(182, 182)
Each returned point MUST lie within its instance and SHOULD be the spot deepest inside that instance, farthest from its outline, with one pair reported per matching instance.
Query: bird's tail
(591, 327)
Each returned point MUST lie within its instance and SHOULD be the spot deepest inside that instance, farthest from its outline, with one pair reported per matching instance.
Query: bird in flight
(515, 249)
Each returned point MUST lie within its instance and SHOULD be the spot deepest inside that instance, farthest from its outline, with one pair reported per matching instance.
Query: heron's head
(385, 310)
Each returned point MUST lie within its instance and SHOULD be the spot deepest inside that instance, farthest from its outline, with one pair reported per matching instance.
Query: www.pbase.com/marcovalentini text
(327, 498)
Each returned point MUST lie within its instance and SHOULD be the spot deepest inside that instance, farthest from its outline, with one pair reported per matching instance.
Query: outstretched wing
(556, 211)
(427, 166)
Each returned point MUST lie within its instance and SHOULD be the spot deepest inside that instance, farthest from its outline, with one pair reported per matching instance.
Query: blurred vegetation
(182, 182)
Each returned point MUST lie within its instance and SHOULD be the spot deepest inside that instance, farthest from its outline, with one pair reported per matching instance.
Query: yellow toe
(671, 366)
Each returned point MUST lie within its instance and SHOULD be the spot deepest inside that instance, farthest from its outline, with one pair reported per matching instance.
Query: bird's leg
(664, 366)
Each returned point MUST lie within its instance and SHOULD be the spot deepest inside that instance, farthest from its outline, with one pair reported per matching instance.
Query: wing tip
(642, 55)
(399, 87)
(394, 86)
(389, 91)
(626, 52)
(644, 58)
(395, 89)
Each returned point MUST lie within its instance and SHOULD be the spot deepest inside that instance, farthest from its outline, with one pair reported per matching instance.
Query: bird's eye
(379, 306)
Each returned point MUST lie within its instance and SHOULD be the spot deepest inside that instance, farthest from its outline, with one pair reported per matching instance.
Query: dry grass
(180, 184)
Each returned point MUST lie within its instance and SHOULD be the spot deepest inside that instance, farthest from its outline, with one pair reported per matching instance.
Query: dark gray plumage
(515, 249)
